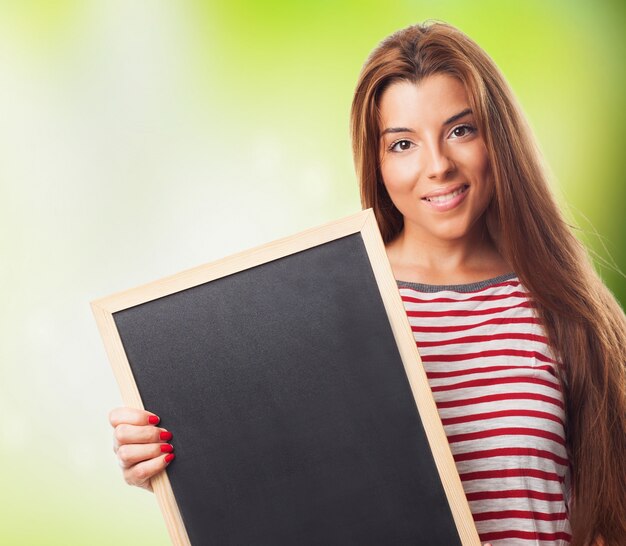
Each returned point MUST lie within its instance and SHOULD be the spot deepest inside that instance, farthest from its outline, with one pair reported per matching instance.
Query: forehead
(426, 103)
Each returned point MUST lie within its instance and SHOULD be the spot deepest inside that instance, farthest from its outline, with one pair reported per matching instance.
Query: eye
(400, 145)
(462, 130)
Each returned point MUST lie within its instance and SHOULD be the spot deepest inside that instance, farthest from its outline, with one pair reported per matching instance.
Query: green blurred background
(140, 138)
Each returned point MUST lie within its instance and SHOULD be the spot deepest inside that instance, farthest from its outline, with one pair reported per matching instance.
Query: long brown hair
(585, 325)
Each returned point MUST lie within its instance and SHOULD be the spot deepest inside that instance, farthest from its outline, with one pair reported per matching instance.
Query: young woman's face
(433, 161)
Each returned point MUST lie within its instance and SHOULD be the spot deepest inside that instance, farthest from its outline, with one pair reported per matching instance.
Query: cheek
(486, 167)
(487, 177)
(479, 165)
(396, 177)
(483, 163)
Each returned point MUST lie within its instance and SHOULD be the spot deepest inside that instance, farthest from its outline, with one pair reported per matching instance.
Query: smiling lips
(444, 200)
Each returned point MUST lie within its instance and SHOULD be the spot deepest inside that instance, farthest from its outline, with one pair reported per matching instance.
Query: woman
(523, 344)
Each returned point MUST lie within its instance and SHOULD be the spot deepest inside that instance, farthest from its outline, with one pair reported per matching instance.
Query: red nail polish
(166, 436)
(153, 419)
(169, 457)
(167, 448)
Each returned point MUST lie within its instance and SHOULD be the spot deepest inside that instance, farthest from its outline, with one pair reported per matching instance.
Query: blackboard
(285, 385)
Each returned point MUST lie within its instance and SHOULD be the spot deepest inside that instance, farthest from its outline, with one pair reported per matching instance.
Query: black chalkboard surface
(294, 419)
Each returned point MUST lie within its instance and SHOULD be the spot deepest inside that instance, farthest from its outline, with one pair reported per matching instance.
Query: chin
(455, 233)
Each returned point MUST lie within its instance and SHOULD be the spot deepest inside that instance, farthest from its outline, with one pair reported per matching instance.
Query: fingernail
(169, 458)
(167, 448)
(153, 419)
(166, 436)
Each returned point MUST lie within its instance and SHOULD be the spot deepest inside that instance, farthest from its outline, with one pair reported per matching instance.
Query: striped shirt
(494, 381)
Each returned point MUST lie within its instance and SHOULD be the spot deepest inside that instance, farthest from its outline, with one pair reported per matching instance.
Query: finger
(131, 454)
(141, 473)
(131, 434)
(132, 416)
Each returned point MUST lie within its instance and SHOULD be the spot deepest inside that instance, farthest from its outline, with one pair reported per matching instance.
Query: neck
(417, 258)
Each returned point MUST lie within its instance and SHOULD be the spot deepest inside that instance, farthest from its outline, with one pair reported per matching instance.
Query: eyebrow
(451, 119)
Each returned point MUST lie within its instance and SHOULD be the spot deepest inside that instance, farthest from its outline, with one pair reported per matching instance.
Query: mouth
(442, 198)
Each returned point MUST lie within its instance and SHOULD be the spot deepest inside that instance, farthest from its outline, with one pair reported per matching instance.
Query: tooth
(446, 197)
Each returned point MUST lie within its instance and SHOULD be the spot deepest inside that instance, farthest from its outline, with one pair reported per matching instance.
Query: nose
(440, 165)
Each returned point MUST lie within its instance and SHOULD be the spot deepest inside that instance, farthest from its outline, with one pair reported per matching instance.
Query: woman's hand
(142, 448)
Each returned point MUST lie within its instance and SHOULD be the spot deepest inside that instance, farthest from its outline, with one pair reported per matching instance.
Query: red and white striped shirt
(493, 378)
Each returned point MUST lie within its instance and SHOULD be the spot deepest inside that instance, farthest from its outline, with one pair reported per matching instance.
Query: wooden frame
(363, 223)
